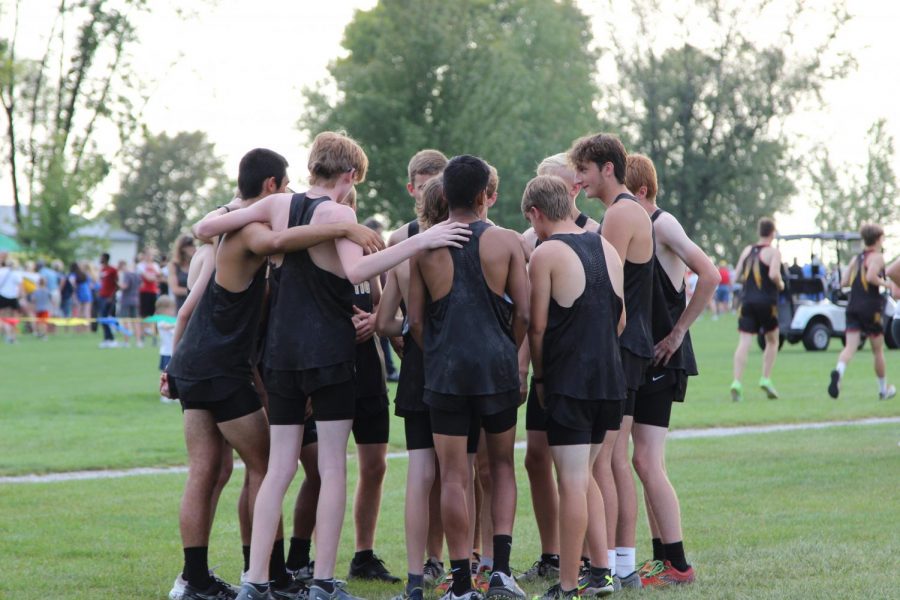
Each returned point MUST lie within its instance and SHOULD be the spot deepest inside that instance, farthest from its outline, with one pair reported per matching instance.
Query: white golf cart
(809, 312)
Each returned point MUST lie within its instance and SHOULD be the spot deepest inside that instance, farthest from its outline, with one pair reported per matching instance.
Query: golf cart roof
(828, 236)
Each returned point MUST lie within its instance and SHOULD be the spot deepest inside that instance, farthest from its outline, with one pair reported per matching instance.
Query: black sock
(278, 575)
(586, 562)
(550, 559)
(298, 554)
(462, 576)
(246, 551)
(363, 556)
(502, 548)
(327, 585)
(599, 574)
(675, 555)
(658, 552)
(196, 567)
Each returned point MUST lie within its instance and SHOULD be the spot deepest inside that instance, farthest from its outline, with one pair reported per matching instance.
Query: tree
(57, 106)
(511, 81)
(170, 182)
(849, 197)
(711, 118)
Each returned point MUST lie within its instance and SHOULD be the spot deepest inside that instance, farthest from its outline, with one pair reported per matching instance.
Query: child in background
(42, 306)
(165, 307)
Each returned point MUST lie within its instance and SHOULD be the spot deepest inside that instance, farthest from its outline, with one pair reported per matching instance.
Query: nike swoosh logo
(654, 379)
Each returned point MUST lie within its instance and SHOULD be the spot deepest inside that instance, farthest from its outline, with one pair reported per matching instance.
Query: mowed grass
(68, 405)
(805, 514)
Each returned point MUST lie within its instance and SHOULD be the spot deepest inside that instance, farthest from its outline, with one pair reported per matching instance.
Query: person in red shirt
(149, 290)
(723, 291)
(109, 281)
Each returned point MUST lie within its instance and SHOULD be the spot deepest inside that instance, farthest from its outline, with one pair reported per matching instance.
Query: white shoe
(165, 400)
(177, 592)
(887, 394)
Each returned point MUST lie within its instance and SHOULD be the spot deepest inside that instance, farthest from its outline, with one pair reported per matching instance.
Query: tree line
(510, 80)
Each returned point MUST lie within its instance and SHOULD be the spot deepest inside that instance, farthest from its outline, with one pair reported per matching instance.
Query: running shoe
(632, 581)
(768, 387)
(834, 387)
(591, 587)
(294, 590)
(305, 573)
(666, 575)
(555, 592)
(339, 593)
(407, 594)
(474, 562)
(217, 590)
(483, 579)
(249, 592)
(372, 569)
(433, 571)
(504, 586)
(889, 393)
(737, 391)
(540, 570)
(648, 565)
(446, 583)
(470, 595)
(178, 587)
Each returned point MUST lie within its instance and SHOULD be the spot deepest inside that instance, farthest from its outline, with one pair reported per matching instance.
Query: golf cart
(808, 311)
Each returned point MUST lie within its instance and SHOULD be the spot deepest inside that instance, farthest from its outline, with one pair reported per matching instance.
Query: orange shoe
(665, 575)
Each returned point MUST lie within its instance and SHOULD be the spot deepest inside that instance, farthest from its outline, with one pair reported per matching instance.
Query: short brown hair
(550, 195)
(639, 171)
(766, 227)
(333, 154)
(426, 162)
(600, 149)
(493, 182)
(870, 233)
(434, 206)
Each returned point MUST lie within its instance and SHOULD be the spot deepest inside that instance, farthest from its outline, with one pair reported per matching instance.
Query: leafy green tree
(849, 197)
(710, 118)
(56, 106)
(170, 182)
(511, 81)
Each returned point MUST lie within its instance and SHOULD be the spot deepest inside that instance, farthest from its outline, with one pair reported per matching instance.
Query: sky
(236, 69)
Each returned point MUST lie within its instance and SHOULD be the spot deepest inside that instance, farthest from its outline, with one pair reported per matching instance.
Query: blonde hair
(550, 195)
(639, 171)
(493, 182)
(333, 154)
(426, 162)
(553, 164)
(164, 302)
(434, 207)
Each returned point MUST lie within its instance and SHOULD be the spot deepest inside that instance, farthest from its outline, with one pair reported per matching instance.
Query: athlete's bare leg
(544, 496)
(367, 503)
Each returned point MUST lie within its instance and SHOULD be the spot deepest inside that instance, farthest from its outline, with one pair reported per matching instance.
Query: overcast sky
(236, 69)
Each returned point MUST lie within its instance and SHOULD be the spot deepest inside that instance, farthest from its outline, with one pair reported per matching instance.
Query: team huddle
(275, 357)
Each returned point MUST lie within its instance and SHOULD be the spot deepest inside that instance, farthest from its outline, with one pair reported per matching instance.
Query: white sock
(611, 557)
(624, 561)
(882, 385)
(840, 368)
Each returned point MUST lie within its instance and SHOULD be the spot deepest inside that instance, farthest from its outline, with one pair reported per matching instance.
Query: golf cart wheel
(892, 334)
(761, 340)
(817, 337)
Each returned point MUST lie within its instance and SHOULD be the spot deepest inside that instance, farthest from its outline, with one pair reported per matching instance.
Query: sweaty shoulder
(502, 236)
(399, 235)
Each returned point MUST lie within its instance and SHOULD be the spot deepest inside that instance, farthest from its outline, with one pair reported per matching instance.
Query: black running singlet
(638, 336)
(668, 305)
(758, 286)
(581, 358)
(469, 347)
(865, 297)
(220, 337)
(310, 314)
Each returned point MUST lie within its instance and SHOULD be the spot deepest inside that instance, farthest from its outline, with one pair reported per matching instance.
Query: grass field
(804, 514)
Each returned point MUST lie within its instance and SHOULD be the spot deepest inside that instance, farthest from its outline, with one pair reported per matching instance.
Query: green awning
(8, 244)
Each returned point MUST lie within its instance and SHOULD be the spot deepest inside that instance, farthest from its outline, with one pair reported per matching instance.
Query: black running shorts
(225, 398)
(328, 387)
(310, 433)
(634, 367)
(574, 422)
(653, 404)
(371, 428)
(869, 322)
(535, 416)
(756, 318)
